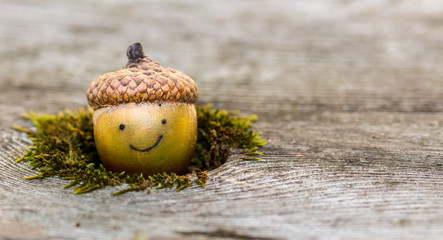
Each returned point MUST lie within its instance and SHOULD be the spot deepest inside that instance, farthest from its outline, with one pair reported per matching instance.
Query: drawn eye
(164, 121)
(122, 126)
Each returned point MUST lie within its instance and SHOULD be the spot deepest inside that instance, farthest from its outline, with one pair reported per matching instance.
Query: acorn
(144, 117)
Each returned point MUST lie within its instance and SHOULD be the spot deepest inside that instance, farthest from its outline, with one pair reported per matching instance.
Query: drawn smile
(149, 148)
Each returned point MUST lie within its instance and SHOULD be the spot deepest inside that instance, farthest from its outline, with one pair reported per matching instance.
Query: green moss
(63, 146)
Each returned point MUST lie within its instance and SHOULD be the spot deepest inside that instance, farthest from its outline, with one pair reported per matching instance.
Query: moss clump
(63, 145)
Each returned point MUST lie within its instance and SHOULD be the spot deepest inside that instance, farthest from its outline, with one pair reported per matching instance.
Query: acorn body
(148, 138)
(144, 117)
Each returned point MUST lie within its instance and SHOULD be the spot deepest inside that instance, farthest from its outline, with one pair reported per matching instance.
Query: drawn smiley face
(159, 139)
(146, 138)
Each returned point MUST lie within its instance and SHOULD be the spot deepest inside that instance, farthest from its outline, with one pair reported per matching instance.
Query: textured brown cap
(141, 80)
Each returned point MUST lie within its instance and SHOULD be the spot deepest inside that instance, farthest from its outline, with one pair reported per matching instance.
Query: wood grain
(348, 94)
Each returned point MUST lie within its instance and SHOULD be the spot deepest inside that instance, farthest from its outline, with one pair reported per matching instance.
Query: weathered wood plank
(349, 96)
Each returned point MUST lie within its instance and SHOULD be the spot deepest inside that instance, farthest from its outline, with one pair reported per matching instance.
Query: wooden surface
(348, 94)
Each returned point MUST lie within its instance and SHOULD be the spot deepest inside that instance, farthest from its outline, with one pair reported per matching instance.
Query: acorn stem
(135, 53)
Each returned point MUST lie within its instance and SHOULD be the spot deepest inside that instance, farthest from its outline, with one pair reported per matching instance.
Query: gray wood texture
(348, 94)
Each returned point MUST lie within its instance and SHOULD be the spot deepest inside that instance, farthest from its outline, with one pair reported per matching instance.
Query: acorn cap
(140, 81)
